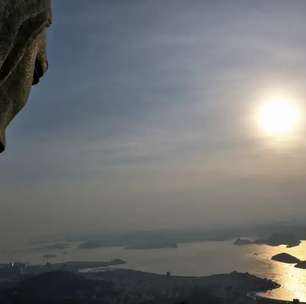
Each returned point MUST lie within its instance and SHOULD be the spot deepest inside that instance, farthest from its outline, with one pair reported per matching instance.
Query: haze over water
(193, 259)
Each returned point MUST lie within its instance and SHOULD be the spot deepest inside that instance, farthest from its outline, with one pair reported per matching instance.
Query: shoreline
(266, 300)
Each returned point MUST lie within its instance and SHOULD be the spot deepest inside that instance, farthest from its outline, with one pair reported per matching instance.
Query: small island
(289, 259)
(286, 258)
(301, 265)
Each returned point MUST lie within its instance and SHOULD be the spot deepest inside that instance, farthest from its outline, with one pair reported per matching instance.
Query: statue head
(23, 59)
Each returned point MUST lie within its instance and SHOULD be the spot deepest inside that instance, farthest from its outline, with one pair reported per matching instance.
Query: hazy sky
(145, 119)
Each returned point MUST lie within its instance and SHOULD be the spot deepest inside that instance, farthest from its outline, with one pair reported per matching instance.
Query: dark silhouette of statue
(23, 60)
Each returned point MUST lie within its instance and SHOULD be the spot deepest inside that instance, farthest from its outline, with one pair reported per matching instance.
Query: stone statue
(23, 60)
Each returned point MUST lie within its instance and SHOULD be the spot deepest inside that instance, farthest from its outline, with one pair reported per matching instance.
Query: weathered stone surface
(23, 57)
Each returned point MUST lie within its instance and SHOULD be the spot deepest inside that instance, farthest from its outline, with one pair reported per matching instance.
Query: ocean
(190, 259)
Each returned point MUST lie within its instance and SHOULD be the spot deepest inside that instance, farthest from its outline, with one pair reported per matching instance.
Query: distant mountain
(275, 239)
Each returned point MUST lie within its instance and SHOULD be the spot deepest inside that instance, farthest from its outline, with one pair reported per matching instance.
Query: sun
(278, 117)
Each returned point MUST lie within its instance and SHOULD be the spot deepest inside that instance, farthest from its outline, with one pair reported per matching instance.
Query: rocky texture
(23, 57)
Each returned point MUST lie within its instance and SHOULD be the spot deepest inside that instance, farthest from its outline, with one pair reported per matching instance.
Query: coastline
(183, 262)
(266, 300)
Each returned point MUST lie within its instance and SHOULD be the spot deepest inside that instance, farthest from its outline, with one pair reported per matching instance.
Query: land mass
(151, 244)
(15, 270)
(301, 264)
(131, 287)
(271, 234)
(286, 258)
(289, 259)
(276, 239)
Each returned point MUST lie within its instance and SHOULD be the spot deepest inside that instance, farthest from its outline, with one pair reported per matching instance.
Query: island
(275, 239)
(285, 258)
(272, 235)
(301, 264)
(289, 259)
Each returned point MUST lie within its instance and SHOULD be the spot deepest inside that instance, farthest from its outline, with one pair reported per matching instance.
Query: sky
(145, 119)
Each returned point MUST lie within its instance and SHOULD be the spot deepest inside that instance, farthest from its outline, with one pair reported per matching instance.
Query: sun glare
(278, 117)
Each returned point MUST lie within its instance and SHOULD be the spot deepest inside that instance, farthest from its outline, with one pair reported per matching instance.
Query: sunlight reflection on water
(192, 259)
(292, 280)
